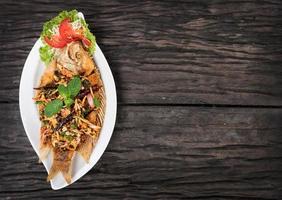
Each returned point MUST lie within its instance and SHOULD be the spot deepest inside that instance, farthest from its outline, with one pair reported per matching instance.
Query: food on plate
(70, 96)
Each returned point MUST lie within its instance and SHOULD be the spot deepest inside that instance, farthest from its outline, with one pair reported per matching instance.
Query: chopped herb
(70, 91)
(63, 133)
(85, 112)
(73, 126)
(53, 107)
(96, 102)
(68, 137)
(64, 91)
(74, 86)
(39, 102)
(68, 102)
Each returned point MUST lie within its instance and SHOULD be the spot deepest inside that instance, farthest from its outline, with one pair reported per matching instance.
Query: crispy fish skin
(48, 76)
(82, 64)
(85, 147)
(87, 142)
(45, 144)
(81, 56)
(62, 162)
(75, 58)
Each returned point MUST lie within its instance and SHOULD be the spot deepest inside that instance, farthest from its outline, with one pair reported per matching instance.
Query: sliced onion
(96, 128)
(90, 100)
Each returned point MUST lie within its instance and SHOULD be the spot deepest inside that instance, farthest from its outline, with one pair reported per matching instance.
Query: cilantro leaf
(53, 107)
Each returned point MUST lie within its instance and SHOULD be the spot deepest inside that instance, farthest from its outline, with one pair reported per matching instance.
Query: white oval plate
(32, 71)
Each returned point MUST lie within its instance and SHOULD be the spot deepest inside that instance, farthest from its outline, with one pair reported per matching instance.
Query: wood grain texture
(183, 52)
(161, 153)
(172, 61)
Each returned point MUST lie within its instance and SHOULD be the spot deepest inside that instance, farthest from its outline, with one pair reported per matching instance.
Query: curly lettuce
(51, 27)
(89, 36)
(46, 53)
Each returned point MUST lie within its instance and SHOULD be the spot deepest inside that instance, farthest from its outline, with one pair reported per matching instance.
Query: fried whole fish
(75, 127)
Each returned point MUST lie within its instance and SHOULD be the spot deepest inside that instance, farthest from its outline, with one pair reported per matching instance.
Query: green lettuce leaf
(89, 36)
(46, 54)
(48, 26)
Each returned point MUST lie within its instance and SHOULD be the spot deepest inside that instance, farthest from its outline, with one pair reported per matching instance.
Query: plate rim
(113, 108)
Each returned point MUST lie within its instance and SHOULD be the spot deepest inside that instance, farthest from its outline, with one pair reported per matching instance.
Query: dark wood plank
(184, 52)
(161, 152)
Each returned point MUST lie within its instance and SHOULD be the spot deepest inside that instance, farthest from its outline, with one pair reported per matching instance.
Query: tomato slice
(78, 36)
(66, 35)
(56, 41)
(86, 42)
(66, 30)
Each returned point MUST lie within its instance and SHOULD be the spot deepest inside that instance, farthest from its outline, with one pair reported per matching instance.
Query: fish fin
(85, 147)
(52, 173)
(48, 75)
(45, 144)
(43, 153)
(67, 175)
(62, 162)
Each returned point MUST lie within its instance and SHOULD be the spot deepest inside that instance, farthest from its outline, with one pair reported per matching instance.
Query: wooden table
(199, 100)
